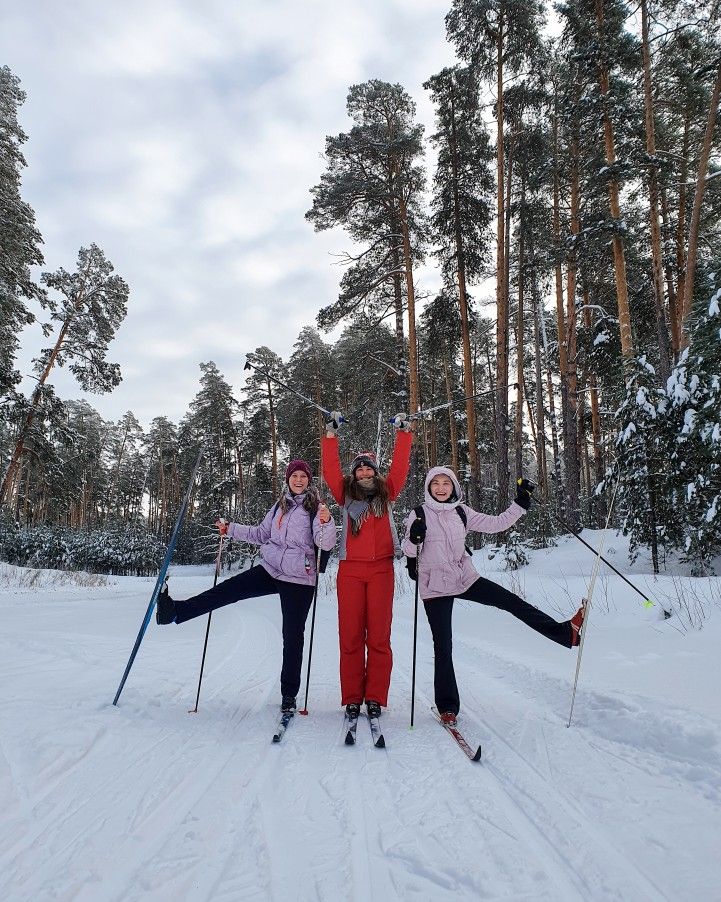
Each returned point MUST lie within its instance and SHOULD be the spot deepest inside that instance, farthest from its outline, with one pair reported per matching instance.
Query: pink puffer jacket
(445, 567)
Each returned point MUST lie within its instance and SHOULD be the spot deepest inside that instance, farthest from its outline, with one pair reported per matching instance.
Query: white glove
(336, 418)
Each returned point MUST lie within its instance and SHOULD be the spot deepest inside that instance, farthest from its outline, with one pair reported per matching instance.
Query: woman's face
(298, 482)
(364, 472)
(441, 487)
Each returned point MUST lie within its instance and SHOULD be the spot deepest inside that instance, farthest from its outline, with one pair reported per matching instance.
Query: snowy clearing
(145, 801)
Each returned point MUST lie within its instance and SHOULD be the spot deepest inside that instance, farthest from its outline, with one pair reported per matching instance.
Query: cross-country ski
(283, 723)
(451, 728)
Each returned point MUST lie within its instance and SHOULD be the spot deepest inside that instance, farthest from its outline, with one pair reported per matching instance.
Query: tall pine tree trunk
(519, 347)
(664, 354)
(681, 232)
(670, 285)
(695, 224)
(413, 405)
(570, 418)
(273, 441)
(452, 427)
(465, 327)
(560, 319)
(619, 258)
(592, 383)
(501, 285)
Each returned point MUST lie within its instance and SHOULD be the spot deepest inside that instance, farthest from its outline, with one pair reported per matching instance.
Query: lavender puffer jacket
(445, 568)
(287, 542)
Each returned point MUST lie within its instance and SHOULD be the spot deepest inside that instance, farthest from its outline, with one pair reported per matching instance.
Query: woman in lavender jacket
(288, 537)
(446, 572)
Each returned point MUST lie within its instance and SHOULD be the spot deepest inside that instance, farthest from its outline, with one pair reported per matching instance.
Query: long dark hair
(353, 490)
(310, 502)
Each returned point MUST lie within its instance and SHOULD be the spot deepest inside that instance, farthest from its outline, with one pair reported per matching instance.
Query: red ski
(461, 742)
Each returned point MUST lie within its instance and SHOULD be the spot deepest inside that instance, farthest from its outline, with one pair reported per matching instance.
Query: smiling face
(441, 487)
(364, 472)
(298, 482)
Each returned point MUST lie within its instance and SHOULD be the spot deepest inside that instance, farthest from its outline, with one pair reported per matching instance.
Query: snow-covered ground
(144, 801)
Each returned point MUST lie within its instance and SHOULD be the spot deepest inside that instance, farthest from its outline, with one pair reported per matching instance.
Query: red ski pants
(365, 611)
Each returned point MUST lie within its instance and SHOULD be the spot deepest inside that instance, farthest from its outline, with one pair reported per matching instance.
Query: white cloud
(184, 138)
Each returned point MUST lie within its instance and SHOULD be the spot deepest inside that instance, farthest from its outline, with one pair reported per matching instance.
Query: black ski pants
(440, 613)
(295, 602)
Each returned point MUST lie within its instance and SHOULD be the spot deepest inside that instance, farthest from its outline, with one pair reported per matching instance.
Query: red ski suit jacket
(374, 542)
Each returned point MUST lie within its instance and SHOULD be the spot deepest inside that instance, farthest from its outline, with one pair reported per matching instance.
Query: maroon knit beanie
(298, 465)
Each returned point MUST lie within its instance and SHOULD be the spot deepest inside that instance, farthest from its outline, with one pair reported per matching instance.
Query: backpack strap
(464, 520)
(421, 515)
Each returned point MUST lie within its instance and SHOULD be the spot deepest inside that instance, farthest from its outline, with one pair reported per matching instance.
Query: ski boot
(577, 624)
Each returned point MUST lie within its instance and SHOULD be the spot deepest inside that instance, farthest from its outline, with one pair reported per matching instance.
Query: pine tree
(372, 187)
(463, 186)
(19, 238)
(310, 371)
(498, 38)
(92, 303)
(694, 490)
(212, 420)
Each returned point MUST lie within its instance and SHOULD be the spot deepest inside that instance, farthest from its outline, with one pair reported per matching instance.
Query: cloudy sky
(183, 138)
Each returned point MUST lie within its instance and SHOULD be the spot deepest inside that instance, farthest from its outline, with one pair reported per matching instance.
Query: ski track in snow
(145, 801)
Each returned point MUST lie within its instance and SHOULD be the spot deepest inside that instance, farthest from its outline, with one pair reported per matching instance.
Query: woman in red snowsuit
(368, 545)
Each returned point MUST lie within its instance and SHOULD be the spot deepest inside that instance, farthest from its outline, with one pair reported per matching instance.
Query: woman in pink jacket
(288, 537)
(446, 572)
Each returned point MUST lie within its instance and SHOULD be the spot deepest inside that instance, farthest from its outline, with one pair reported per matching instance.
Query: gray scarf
(359, 511)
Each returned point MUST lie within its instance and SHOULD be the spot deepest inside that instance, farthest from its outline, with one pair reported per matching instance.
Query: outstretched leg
(248, 584)
(440, 613)
(484, 591)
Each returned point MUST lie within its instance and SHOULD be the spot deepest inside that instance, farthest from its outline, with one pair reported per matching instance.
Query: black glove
(524, 491)
(412, 564)
(417, 533)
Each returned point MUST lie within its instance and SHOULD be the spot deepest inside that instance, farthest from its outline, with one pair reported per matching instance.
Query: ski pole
(587, 600)
(207, 629)
(646, 601)
(170, 550)
(304, 710)
(415, 635)
(252, 366)
(427, 410)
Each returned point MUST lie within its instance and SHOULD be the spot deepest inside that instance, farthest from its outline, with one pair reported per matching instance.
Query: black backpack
(324, 555)
(421, 515)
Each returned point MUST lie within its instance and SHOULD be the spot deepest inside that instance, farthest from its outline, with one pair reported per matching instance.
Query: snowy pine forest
(566, 197)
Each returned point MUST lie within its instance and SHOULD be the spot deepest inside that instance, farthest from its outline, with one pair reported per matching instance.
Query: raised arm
(400, 463)
(490, 523)
(332, 472)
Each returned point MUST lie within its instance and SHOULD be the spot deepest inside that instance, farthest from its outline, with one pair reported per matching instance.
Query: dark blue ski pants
(295, 602)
